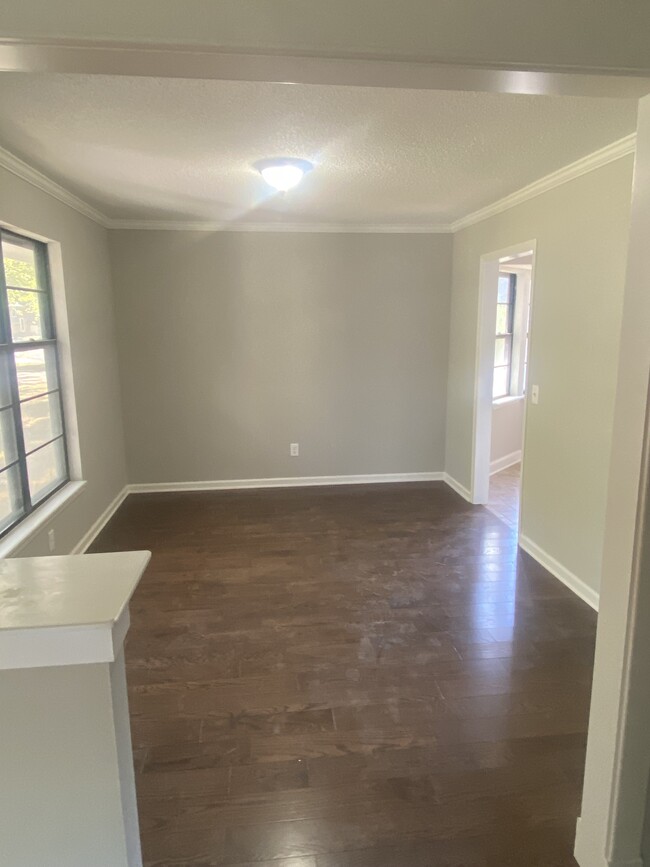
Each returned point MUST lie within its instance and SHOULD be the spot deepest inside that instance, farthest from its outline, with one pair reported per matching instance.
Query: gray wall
(89, 303)
(581, 230)
(233, 345)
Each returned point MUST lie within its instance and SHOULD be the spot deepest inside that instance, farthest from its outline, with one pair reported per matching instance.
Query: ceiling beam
(80, 57)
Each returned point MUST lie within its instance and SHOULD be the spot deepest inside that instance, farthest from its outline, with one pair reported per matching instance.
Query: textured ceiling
(155, 149)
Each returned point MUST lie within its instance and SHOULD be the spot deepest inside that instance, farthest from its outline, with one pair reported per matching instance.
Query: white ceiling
(180, 149)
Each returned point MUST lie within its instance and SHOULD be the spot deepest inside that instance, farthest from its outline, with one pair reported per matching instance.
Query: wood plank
(350, 677)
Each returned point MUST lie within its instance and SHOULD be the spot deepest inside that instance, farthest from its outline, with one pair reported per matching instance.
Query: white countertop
(66, 610)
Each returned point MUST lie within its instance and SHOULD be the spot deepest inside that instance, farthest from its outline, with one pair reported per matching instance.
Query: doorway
(500, 407)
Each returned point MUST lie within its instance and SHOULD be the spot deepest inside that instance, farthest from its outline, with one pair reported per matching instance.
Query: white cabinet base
(67, 787)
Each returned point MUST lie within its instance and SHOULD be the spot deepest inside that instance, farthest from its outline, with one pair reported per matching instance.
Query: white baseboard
(587, 855)
(579, 587)
(505, 462)
(88, 538)
(586, 850)
(456, 486)
(238, 484)
(290, 482)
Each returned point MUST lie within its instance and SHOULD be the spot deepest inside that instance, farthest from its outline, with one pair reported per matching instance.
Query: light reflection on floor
(504, 495)
(493, 604)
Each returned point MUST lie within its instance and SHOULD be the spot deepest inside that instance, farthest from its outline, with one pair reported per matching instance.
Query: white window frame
(23, 531)
(519, 330)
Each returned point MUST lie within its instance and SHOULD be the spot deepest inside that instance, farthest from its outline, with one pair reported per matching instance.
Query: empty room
(323, 382)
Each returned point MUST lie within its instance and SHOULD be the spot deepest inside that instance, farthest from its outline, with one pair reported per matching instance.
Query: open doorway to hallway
(503, 342)
(509, 381)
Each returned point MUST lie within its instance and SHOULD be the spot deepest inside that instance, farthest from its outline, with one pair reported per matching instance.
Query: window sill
(511, 398)
(15, 540)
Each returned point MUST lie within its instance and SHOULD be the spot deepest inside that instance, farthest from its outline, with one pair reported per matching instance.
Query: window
(33, 453)
(506, 299)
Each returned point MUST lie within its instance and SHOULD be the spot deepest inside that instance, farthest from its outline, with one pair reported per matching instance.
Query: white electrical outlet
(534, 394)
(294, 450)
(51, 540)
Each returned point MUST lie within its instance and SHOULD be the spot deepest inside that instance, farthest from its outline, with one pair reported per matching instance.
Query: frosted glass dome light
(284, 173)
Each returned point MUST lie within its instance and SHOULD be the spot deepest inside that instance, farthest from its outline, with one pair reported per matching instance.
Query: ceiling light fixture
(283, 173)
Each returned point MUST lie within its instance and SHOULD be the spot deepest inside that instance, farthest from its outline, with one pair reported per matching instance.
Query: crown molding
(332, 228)
(595, 160)
(592, 161)
(21, 169)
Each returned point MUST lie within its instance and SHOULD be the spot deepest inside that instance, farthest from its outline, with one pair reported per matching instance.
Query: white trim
(595, 160)
(62, 645)
(91, 534)
(340, 228)
(290, 482)
(506, 461)
(23, 533)
(21, 169)
(592, 161)
(64, 355)
(456, 486)
(483, 406)
(579, 587)
(504, 401)
(585, 857)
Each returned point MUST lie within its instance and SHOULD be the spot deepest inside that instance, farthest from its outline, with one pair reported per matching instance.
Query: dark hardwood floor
(350, 677)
